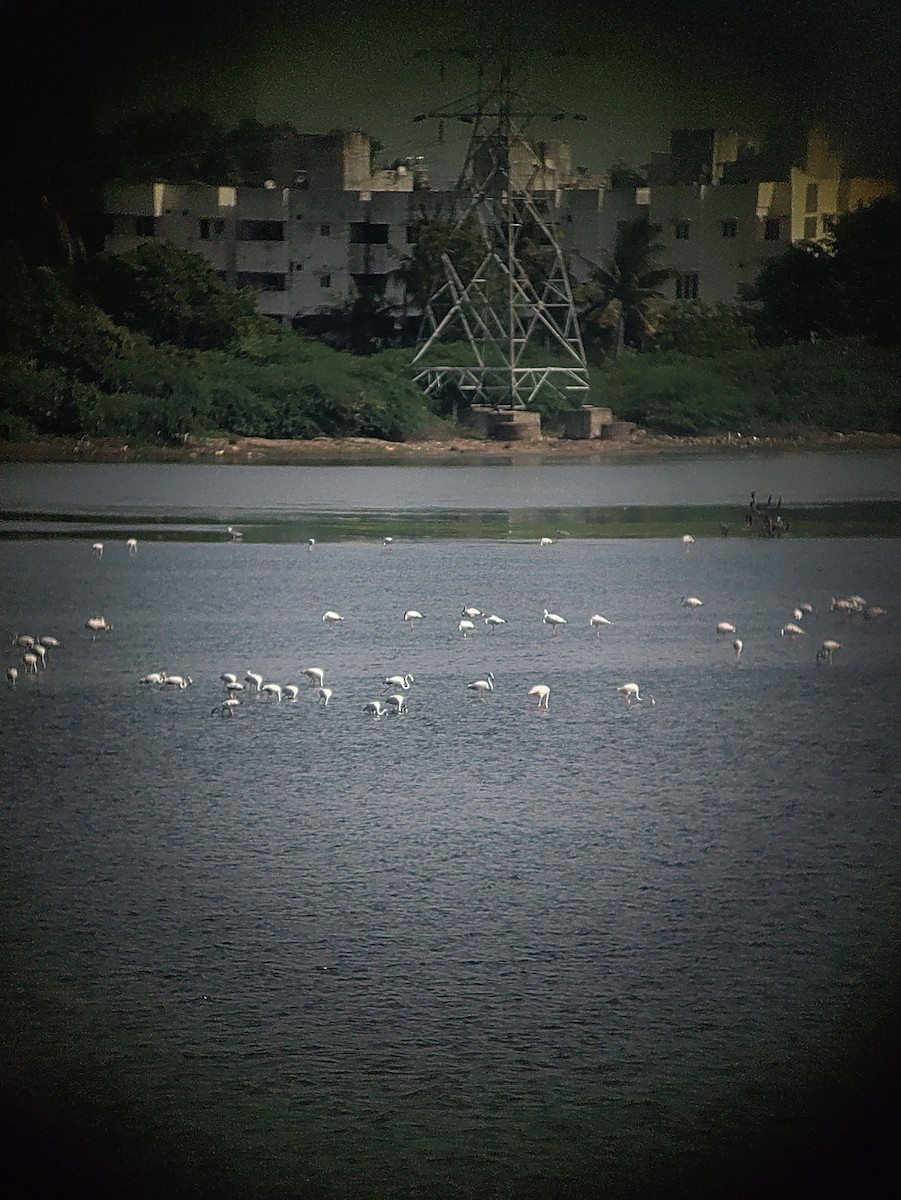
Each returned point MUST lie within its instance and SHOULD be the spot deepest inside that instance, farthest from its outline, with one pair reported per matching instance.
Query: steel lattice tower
(515, 315)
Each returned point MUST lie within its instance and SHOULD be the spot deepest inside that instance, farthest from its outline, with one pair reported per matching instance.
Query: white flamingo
(272, 689)
(227, 708)
(791, 630)
(399, 681)
(374, 708)
(311, 543)
(315, 675)
(235, 534)
(332, 618)
(154, 679)
(553, 619)
(413, 615)
(396, 703)
(691, 602)
(466, 627)
(631, 692)
(481, 686)
(797, 614)
(253, 681)
(40, 652)
(25, 640)
(232, 689)
(50, 642)
(827, 649)
(543, 692)
(98, 625)
(738, 645)
(228, 678)
(597, 622)
(324, 694)
(545, 541)
(493, 621)
(687, 540)
(98, 549)
(471, 612)
(387, 541)
(874, 610)
(12, 675)
(177, 681)
(291, 690)
(132, 545)
(724, 627)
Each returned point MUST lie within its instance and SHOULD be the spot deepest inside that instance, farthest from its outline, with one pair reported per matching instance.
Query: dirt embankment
(372, 451)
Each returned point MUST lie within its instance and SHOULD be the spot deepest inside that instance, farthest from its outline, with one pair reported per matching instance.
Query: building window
(828, 223)
(811, 198)
(687, 287)
(325, 230)
(211, 228)
(325, 281)
(368, 233)
(730, 227)
(683, 231)
(261, 231)
(261, 281)
(810, 228)
(145, 226)
(771, 229)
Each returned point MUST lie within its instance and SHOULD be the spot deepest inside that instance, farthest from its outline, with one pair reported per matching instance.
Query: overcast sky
(635, 71)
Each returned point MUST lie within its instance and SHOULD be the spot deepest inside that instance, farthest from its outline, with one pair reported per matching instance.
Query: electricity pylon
(513, 318)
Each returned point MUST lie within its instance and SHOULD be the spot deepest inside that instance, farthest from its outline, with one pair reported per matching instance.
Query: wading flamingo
(481, 686)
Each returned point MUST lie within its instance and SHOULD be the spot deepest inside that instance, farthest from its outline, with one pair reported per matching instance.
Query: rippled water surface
(473, 950)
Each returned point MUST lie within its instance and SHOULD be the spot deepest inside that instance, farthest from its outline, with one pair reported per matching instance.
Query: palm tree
(622, 293)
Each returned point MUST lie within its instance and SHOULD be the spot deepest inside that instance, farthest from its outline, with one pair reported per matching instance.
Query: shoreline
(456, 451)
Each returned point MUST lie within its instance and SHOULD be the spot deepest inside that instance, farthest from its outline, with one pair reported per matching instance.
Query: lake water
(477, 949)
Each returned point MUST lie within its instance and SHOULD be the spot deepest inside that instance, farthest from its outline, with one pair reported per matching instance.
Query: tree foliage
(848, 287)
(622, 296)
(170, 296)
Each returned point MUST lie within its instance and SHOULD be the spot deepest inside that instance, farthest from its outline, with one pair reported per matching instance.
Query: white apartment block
(329, 223)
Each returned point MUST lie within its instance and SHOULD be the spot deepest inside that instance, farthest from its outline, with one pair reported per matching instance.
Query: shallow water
(476, 949)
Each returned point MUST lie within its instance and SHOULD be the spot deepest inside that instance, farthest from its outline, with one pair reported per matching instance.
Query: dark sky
(636, 70)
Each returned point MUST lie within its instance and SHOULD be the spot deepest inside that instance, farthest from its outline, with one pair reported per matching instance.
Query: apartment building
(329, 223)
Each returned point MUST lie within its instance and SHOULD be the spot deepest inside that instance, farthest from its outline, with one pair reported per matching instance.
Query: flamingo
(25, 640)
(691, 602)
(791, 630)
(154, 679)
(290, 690)
(481, 686)
(631, 692)
(232, 689)
(132, 545)
(332, 618)
(466, 626)
(872, 611)
(724, 627)
(545, 541)
(413, 615)
(687, 540)
(374, 708)
(543, 692)
(738, 645)
(178, 681)
(471, 612)
(40, 652)
(227, 708)
(399, 681)
(493, 621)
(807, 607)
(396, 703)
(98, 549)
(827, 650)
(228, 678)
(553, 619)
(51, 642)
(235, 534)
(324, 694)
(597, 621)
(315, 675)
(12, 675)
(797, 614)
(253, 681)
(311, 543)
(272, 689)
(387, 541)
(97, 625)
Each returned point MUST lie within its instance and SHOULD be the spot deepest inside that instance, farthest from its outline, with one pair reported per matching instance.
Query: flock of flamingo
(34, 651)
